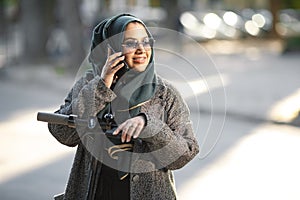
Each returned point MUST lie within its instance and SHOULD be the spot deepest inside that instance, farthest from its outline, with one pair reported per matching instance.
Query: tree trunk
(275, 6)
(2, 19)
(35, 29)
(72, 25)
(173, 12)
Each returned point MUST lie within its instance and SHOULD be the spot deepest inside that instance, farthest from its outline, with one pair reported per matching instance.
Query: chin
(139, 68)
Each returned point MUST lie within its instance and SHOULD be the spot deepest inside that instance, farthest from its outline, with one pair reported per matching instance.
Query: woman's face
(136, 46)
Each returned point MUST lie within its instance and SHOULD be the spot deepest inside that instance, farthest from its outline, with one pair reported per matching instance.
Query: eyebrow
(131, 38)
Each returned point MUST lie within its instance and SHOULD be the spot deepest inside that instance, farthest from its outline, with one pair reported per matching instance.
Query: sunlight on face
(137, 58)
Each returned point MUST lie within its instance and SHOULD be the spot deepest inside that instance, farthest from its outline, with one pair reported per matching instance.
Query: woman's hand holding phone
(112, 65)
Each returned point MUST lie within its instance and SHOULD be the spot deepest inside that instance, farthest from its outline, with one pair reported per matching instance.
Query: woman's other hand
(130, 128)
(111, 67)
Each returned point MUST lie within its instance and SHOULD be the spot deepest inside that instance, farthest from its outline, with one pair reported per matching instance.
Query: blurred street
(256, 155)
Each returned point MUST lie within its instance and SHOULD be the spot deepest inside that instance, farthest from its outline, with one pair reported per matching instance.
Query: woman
(152, 120)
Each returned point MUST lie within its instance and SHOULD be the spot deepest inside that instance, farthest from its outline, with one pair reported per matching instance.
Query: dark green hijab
(134, 88)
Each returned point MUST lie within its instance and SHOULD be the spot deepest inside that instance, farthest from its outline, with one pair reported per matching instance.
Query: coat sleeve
(171, 142)
(88, 96)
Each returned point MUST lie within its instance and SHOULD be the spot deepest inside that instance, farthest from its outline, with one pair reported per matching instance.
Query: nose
(140, 47)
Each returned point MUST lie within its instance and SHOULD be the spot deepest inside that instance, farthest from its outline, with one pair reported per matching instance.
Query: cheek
(149, 55)
(128, 58)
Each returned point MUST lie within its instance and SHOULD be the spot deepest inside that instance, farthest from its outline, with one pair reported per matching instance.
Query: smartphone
(124, 69)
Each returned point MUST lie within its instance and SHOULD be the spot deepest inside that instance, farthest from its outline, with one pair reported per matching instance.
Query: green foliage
(9, 2)
(292, 44)
(292, 4)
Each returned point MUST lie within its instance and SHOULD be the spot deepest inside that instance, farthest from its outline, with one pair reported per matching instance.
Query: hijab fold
(133, 88)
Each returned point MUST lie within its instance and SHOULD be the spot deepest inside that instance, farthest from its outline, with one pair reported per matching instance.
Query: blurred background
(249, 102)
(37, 32)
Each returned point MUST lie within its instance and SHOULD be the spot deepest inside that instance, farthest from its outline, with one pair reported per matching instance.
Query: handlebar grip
(53, 118)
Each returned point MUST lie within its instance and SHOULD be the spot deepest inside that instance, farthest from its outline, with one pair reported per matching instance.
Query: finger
(118, 130)
(138, 131)
(116, 68)
(123, 137)
(130, 132)
(128, 138)
(115, 62)
(125, 131)
(114, 56)
(109, 51)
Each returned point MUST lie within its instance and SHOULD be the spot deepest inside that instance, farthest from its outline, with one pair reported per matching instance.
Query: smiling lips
(139, 60)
